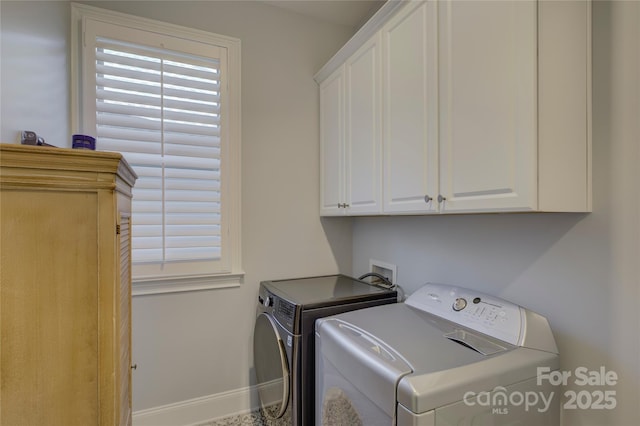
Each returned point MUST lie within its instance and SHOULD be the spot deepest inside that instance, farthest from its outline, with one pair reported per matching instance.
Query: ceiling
(350, 13)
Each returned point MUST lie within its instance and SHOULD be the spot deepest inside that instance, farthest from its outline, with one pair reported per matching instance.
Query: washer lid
(421, 392)
(442, 367)
(368, 364)
(417, 337)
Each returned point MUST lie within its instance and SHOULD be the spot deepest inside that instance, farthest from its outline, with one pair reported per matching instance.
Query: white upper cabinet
(488, 92)
(332, 144)
(410, 105)
(363, 131)
(351, 135)
(485, 108)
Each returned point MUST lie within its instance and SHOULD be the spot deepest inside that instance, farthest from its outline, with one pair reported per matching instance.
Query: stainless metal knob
(441, 198)
(427, 199)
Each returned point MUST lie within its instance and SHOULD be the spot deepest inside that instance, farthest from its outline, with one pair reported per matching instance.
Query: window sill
(145, 287)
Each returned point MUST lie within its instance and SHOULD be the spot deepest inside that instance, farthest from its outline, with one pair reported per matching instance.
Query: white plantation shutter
(162, 111)
(159, 100)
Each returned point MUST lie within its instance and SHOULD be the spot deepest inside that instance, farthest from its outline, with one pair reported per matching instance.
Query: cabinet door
(410, 102)
(331, 144)
(49, 297)
(488, 92)
(363, 171)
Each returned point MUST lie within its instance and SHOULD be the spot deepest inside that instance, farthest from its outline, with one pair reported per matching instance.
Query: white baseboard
(200, 410)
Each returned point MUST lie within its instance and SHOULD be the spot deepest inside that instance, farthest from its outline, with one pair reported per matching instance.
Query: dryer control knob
(268, 302)
(459, 304)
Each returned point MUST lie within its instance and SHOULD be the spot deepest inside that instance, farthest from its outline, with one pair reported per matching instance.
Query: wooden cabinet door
(49, 318)
(363, 164)
(410, 110)
(488, 112)
(331, 144)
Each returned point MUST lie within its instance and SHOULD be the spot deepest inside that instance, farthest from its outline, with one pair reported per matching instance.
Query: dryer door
(272, 371)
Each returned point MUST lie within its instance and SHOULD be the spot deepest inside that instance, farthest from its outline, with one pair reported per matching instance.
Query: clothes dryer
(447, 356)
(283, 344)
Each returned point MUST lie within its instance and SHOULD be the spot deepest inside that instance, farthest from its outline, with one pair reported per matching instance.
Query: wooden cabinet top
(20, 160)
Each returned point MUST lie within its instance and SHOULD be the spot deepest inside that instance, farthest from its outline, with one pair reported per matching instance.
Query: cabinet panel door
(331, 143)
(488, 112)
(49, 298)
(363, 170)
(410, 102)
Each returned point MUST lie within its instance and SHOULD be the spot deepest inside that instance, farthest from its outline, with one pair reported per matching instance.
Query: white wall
(35, 71)
(579, 270)
(197, 344)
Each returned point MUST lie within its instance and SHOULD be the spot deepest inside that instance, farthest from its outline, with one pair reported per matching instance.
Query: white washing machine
(447, 356)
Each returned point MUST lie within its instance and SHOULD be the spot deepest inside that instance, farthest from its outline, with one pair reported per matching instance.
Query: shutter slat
(115, 82)
(180, 94)
(126, 121)
(191, 184)
(207, 70)
(129, 146)
(192, 105)
(105, 54)
(200, 85)
(120, 145)
(212, 253)
(137, 135)
(190, 151)
(192, 129)
(189, 219)
(194, 140)
(139, 111)
(191, 195)
(194, 118)
(175, 165)
(204, 207)
(128, 97)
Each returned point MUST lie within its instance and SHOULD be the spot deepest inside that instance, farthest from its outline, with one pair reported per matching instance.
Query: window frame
(231, 274)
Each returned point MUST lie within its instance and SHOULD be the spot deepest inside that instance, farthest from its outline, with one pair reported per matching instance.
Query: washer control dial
(459, 304)
(268, 302)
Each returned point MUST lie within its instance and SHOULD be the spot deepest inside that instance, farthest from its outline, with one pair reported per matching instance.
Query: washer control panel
(478, 311)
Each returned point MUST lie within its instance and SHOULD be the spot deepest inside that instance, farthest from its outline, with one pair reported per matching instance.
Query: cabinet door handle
(441, 198)
(427, 199)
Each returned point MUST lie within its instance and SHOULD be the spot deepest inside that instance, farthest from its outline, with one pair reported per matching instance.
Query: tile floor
(255, 418)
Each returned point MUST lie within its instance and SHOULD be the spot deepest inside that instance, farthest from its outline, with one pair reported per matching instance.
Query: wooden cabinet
(486, 105)
(65, 287)
(351, 135)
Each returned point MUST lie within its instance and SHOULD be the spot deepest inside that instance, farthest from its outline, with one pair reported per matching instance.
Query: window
(167, 98)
